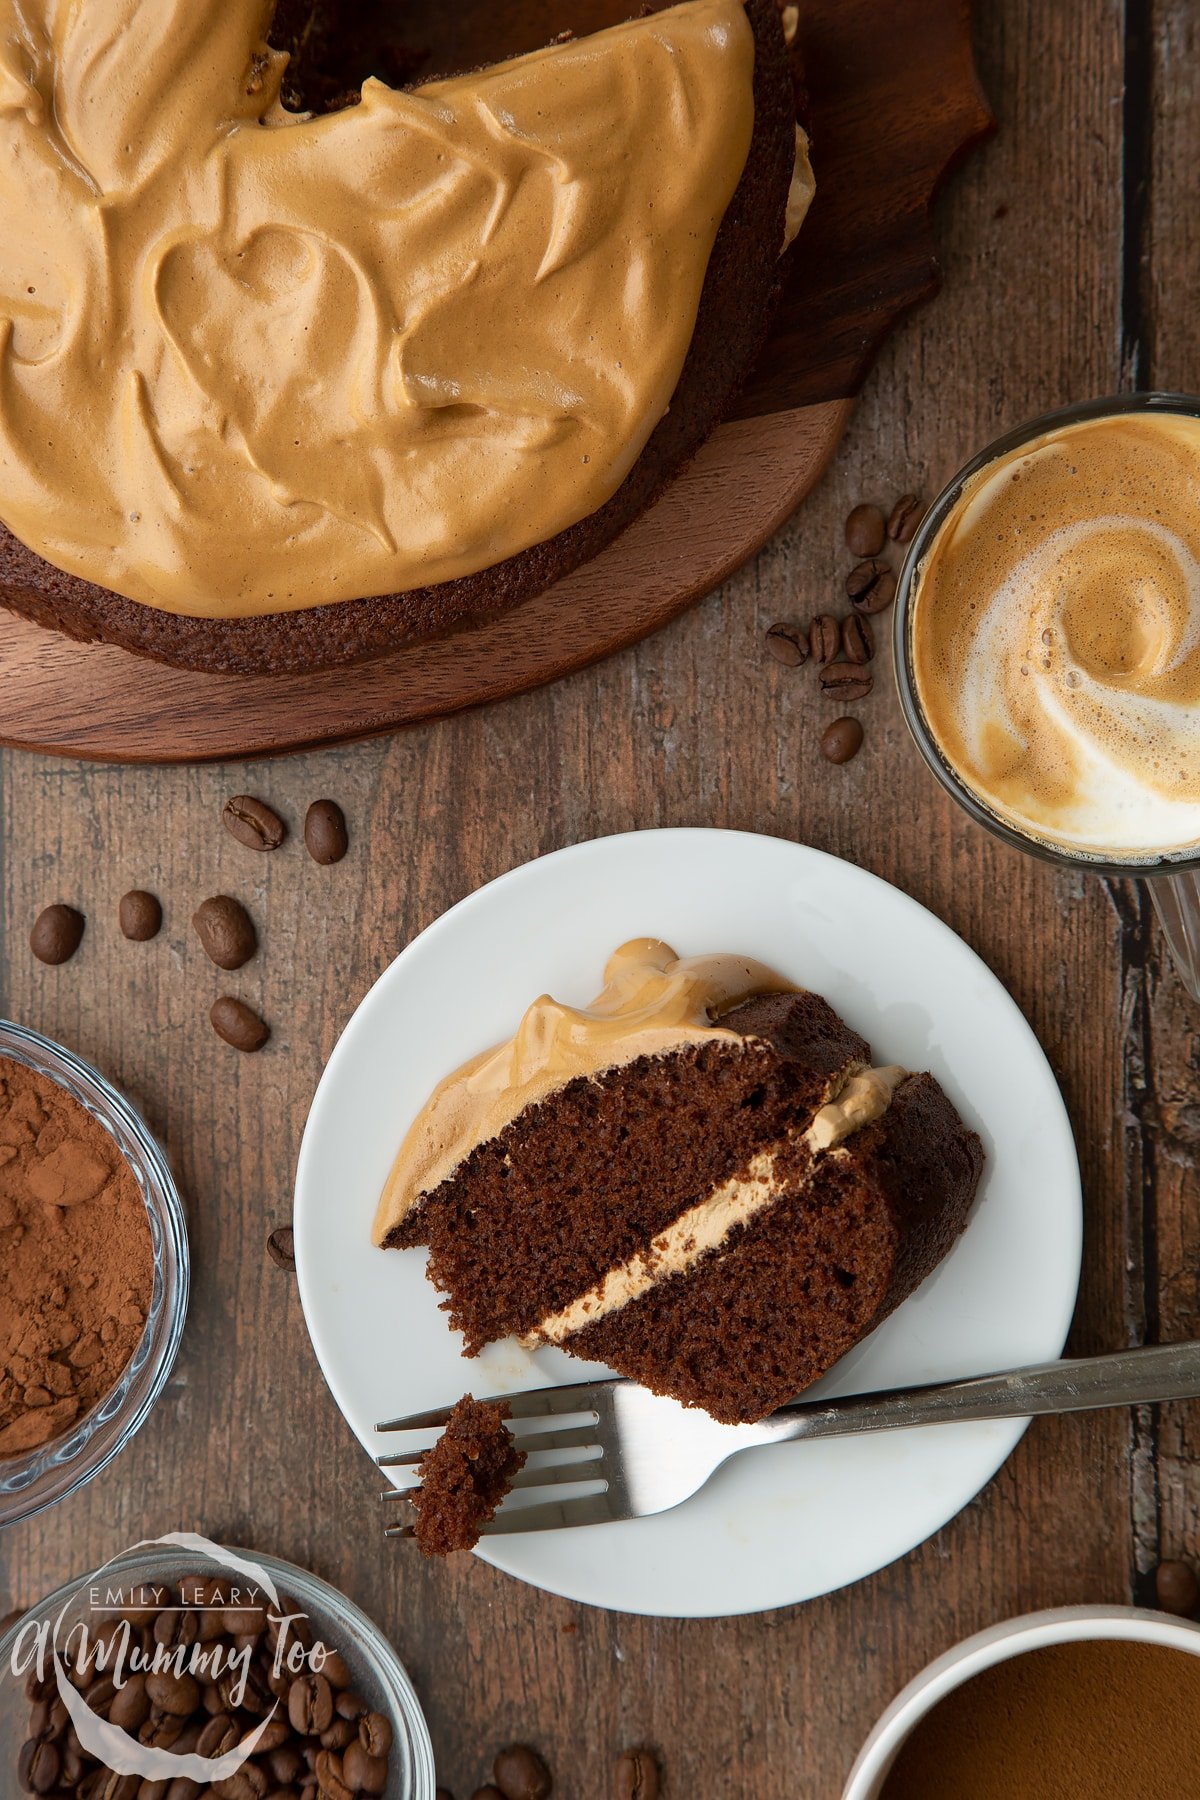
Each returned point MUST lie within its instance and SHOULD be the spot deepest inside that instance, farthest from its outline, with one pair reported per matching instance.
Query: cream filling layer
(864, 1097)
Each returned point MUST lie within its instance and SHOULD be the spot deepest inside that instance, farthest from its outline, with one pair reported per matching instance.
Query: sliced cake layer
(839, 1238)
(587, 1178)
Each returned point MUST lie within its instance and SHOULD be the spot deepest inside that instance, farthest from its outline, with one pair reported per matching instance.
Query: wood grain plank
(1170, 1064)
(695, 726)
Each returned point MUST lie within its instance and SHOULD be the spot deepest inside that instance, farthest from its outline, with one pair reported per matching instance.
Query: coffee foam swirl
(1055, 635)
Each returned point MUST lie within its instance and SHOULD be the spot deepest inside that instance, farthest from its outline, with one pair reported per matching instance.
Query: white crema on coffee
(1055, 636)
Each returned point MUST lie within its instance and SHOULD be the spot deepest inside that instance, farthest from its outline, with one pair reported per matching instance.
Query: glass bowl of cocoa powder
(94, 1272)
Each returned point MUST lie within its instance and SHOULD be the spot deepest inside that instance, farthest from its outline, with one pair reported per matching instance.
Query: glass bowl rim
(41, 1478)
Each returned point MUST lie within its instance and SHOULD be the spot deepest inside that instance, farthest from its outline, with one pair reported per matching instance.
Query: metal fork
(627, 1452)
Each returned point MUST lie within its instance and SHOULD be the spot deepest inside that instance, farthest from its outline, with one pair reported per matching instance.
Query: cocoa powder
(76, 1262)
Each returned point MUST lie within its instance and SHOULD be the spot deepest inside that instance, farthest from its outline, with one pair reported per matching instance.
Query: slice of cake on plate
(700, 1180)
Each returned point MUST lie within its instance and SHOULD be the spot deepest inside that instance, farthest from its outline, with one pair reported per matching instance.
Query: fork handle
(1125, 1378)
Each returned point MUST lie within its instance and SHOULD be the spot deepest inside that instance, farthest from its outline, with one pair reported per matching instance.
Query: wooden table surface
(1071, 248)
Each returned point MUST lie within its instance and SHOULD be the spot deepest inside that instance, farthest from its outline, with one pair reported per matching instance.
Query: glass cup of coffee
(1048, 646)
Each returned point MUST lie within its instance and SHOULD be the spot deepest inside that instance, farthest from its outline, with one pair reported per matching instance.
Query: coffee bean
(904, 518)
(184, 1788)
(364, 1773)
(1177, 1589)
(824, 636)
(637, 1776)
(57, 933)
(253, 823)
(841, 740)
(144, 1603)
(788, 644)
(310, 1704)
(234, 1021)
(520, 1774)
(139, 915)
(247, 1783)
(845, 681)
(330, 1782)
(871, 586)
(858, 640)
(340, 1733)
(118, 1787)
(226, 931)
(375, 1733)
(99, 1695)
(865, 531)
(325, 832)
(284, 1765)
(174, 1628)
(350, 1705)
(220, 1733)
(42, 1769)
(176, 1695)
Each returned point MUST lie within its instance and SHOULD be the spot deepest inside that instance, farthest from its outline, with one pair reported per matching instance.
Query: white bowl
(1013, 1637)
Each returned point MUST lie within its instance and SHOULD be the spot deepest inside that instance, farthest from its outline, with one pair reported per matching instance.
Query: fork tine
(569, 1437)
(591, 1470)
(577, 1397)
(551, 1515)
(534, 1403)
(591, 1509)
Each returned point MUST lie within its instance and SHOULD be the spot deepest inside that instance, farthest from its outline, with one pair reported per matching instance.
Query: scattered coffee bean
(865, 531)
(226, 931)
(253, 823)
(1177, 1589)
(824, 637)
(841, 740)
(858, 640)
(238, 1025)
(57, 933)
(325, 832)
(637, 1776)
(788, 644)
(904, 518)
(520, 1774)
(281, 1248)
(139, 915)
(871, 586)
(846, 681)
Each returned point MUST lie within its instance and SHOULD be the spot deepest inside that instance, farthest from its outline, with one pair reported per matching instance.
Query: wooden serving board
(894, 104)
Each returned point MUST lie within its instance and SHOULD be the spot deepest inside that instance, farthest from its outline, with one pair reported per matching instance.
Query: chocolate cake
(464, 1478)
(332, 50)
(717, 1196)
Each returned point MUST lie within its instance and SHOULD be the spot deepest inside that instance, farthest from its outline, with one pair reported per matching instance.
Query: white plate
(776, 1525)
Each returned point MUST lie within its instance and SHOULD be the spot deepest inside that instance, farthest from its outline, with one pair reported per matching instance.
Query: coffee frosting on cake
(1056, 635)
(652, 1002)
(252, 361)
